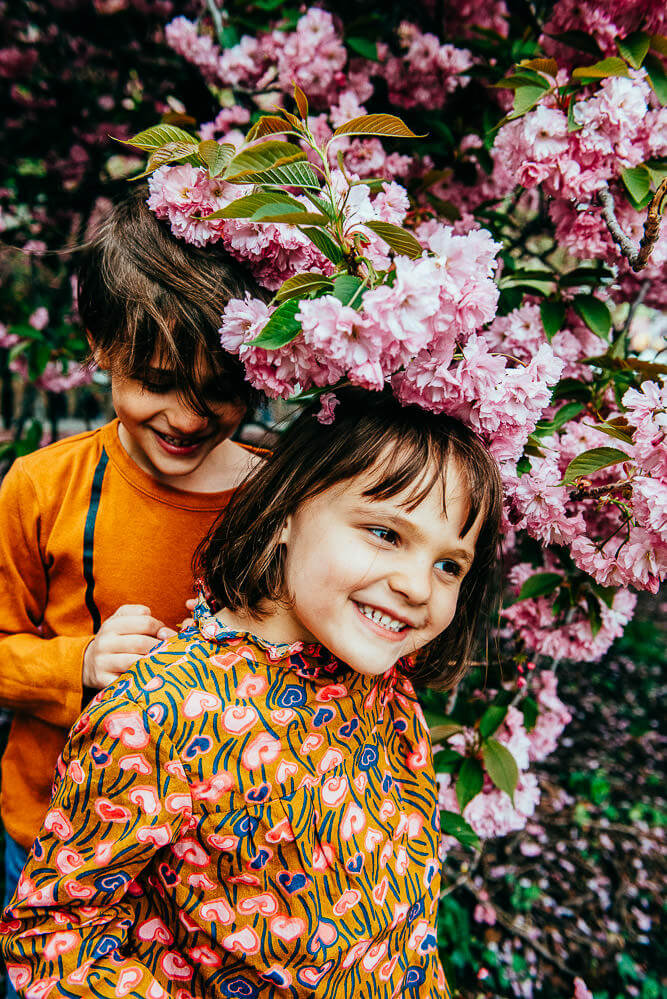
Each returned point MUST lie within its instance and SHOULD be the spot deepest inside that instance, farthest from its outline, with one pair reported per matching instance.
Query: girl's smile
(371, 580)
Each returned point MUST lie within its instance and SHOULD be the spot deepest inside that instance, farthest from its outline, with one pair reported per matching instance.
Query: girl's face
(373, 580)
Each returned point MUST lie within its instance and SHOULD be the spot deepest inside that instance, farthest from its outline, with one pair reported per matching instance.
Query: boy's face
(373, 580)
(161, 433)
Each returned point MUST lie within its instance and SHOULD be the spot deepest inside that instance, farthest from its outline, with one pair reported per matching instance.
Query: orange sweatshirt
(82, 530)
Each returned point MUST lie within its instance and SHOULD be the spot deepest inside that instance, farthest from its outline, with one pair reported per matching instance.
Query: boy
(97, 531)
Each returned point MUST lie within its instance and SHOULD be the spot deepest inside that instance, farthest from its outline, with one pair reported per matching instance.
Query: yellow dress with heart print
(236, 819)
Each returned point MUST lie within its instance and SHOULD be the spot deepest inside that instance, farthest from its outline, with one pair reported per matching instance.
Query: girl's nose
(413, 582)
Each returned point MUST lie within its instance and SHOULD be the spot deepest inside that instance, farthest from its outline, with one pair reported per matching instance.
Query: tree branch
(637, 256)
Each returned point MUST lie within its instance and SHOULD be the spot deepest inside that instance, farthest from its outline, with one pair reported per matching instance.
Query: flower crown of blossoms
(358, 298)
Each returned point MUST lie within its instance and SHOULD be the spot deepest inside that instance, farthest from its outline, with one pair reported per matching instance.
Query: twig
(216, 17)
(506, 920)
(637, 256)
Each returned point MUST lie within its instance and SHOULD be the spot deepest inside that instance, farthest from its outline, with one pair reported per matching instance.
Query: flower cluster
(577, 637)
(427, 72)
(491, 812)
(571, 153)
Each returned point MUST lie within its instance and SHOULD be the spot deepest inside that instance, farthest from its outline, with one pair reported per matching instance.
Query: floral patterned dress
(236, 819)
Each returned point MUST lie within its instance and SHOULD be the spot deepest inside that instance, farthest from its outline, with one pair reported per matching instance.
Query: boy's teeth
(376, 615)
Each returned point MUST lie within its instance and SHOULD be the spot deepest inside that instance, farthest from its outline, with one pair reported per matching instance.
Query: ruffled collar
(310, 660)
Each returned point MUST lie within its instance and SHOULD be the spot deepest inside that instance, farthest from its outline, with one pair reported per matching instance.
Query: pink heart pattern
(242, 819)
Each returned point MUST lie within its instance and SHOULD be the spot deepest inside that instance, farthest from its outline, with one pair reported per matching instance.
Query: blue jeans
(15, 858)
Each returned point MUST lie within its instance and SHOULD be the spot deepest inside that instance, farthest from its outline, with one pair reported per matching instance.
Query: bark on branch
(637, 256)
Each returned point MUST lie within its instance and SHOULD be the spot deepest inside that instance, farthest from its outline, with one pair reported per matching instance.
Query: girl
(252, 809)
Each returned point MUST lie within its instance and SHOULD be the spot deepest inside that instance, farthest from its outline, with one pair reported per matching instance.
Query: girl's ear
(286, 531)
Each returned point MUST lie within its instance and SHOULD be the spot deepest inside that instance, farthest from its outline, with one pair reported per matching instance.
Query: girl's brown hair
(241, 560)
(143, 294)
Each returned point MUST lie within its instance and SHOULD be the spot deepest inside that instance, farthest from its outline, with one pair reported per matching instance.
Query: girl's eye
(449, 566)
(384, 533)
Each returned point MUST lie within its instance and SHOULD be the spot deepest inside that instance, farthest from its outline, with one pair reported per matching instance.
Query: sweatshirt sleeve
(39, 676)
(65, 929)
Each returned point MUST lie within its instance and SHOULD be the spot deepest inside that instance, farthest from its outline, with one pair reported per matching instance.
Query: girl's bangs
(416, 466)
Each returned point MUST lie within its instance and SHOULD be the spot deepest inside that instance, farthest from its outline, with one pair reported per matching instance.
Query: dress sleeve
(40, 676)
(64, 930)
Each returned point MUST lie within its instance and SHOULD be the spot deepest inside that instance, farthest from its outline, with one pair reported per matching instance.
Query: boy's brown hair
(143, 294)
(241, 560)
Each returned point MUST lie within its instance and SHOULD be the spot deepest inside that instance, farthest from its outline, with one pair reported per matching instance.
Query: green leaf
(159, 135)
(346, 287)
(610, 363)
(277, 212)
(455, 825)
(268, 124)
(657, 76)
(541, 584)
(444, 731)
(593, 276)
(245, 208)
(364, 47)
(281, 328)
(525, 98)
(400, 240)
(541, 281)
(500, 766)
(170, 153)
(301, 102)
(216, 155)
(620, 429)
(604, 593)
(492, 719)
(659, 44)
(377, 124)
(530, 712)
(578, 40)
(324, 243)
(613, 66)
(634, 48)
(548, 66)
(552, 312)
(594, 313)
(303, 284)
(592, 461)
(527, 78)
(470, 781)
(566, 413)
(17, 349)
(257, 159)
(297, 174)
(572, 124)
(638, 182)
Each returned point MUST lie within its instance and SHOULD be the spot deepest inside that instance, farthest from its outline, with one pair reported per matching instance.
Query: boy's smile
(164, 436)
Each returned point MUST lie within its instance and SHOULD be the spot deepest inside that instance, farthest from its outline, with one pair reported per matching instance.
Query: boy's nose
(185, 421)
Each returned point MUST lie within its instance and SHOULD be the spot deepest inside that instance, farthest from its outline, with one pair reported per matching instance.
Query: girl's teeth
(376, 615)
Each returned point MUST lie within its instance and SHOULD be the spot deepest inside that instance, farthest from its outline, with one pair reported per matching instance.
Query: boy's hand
(188, 622)
(125, 636)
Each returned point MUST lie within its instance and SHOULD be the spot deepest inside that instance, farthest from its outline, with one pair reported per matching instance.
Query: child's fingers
(133, 624)
(188, 622)
(191, 603)
(116, 665)
(165, 633)
(132, 609)
(135, 645)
